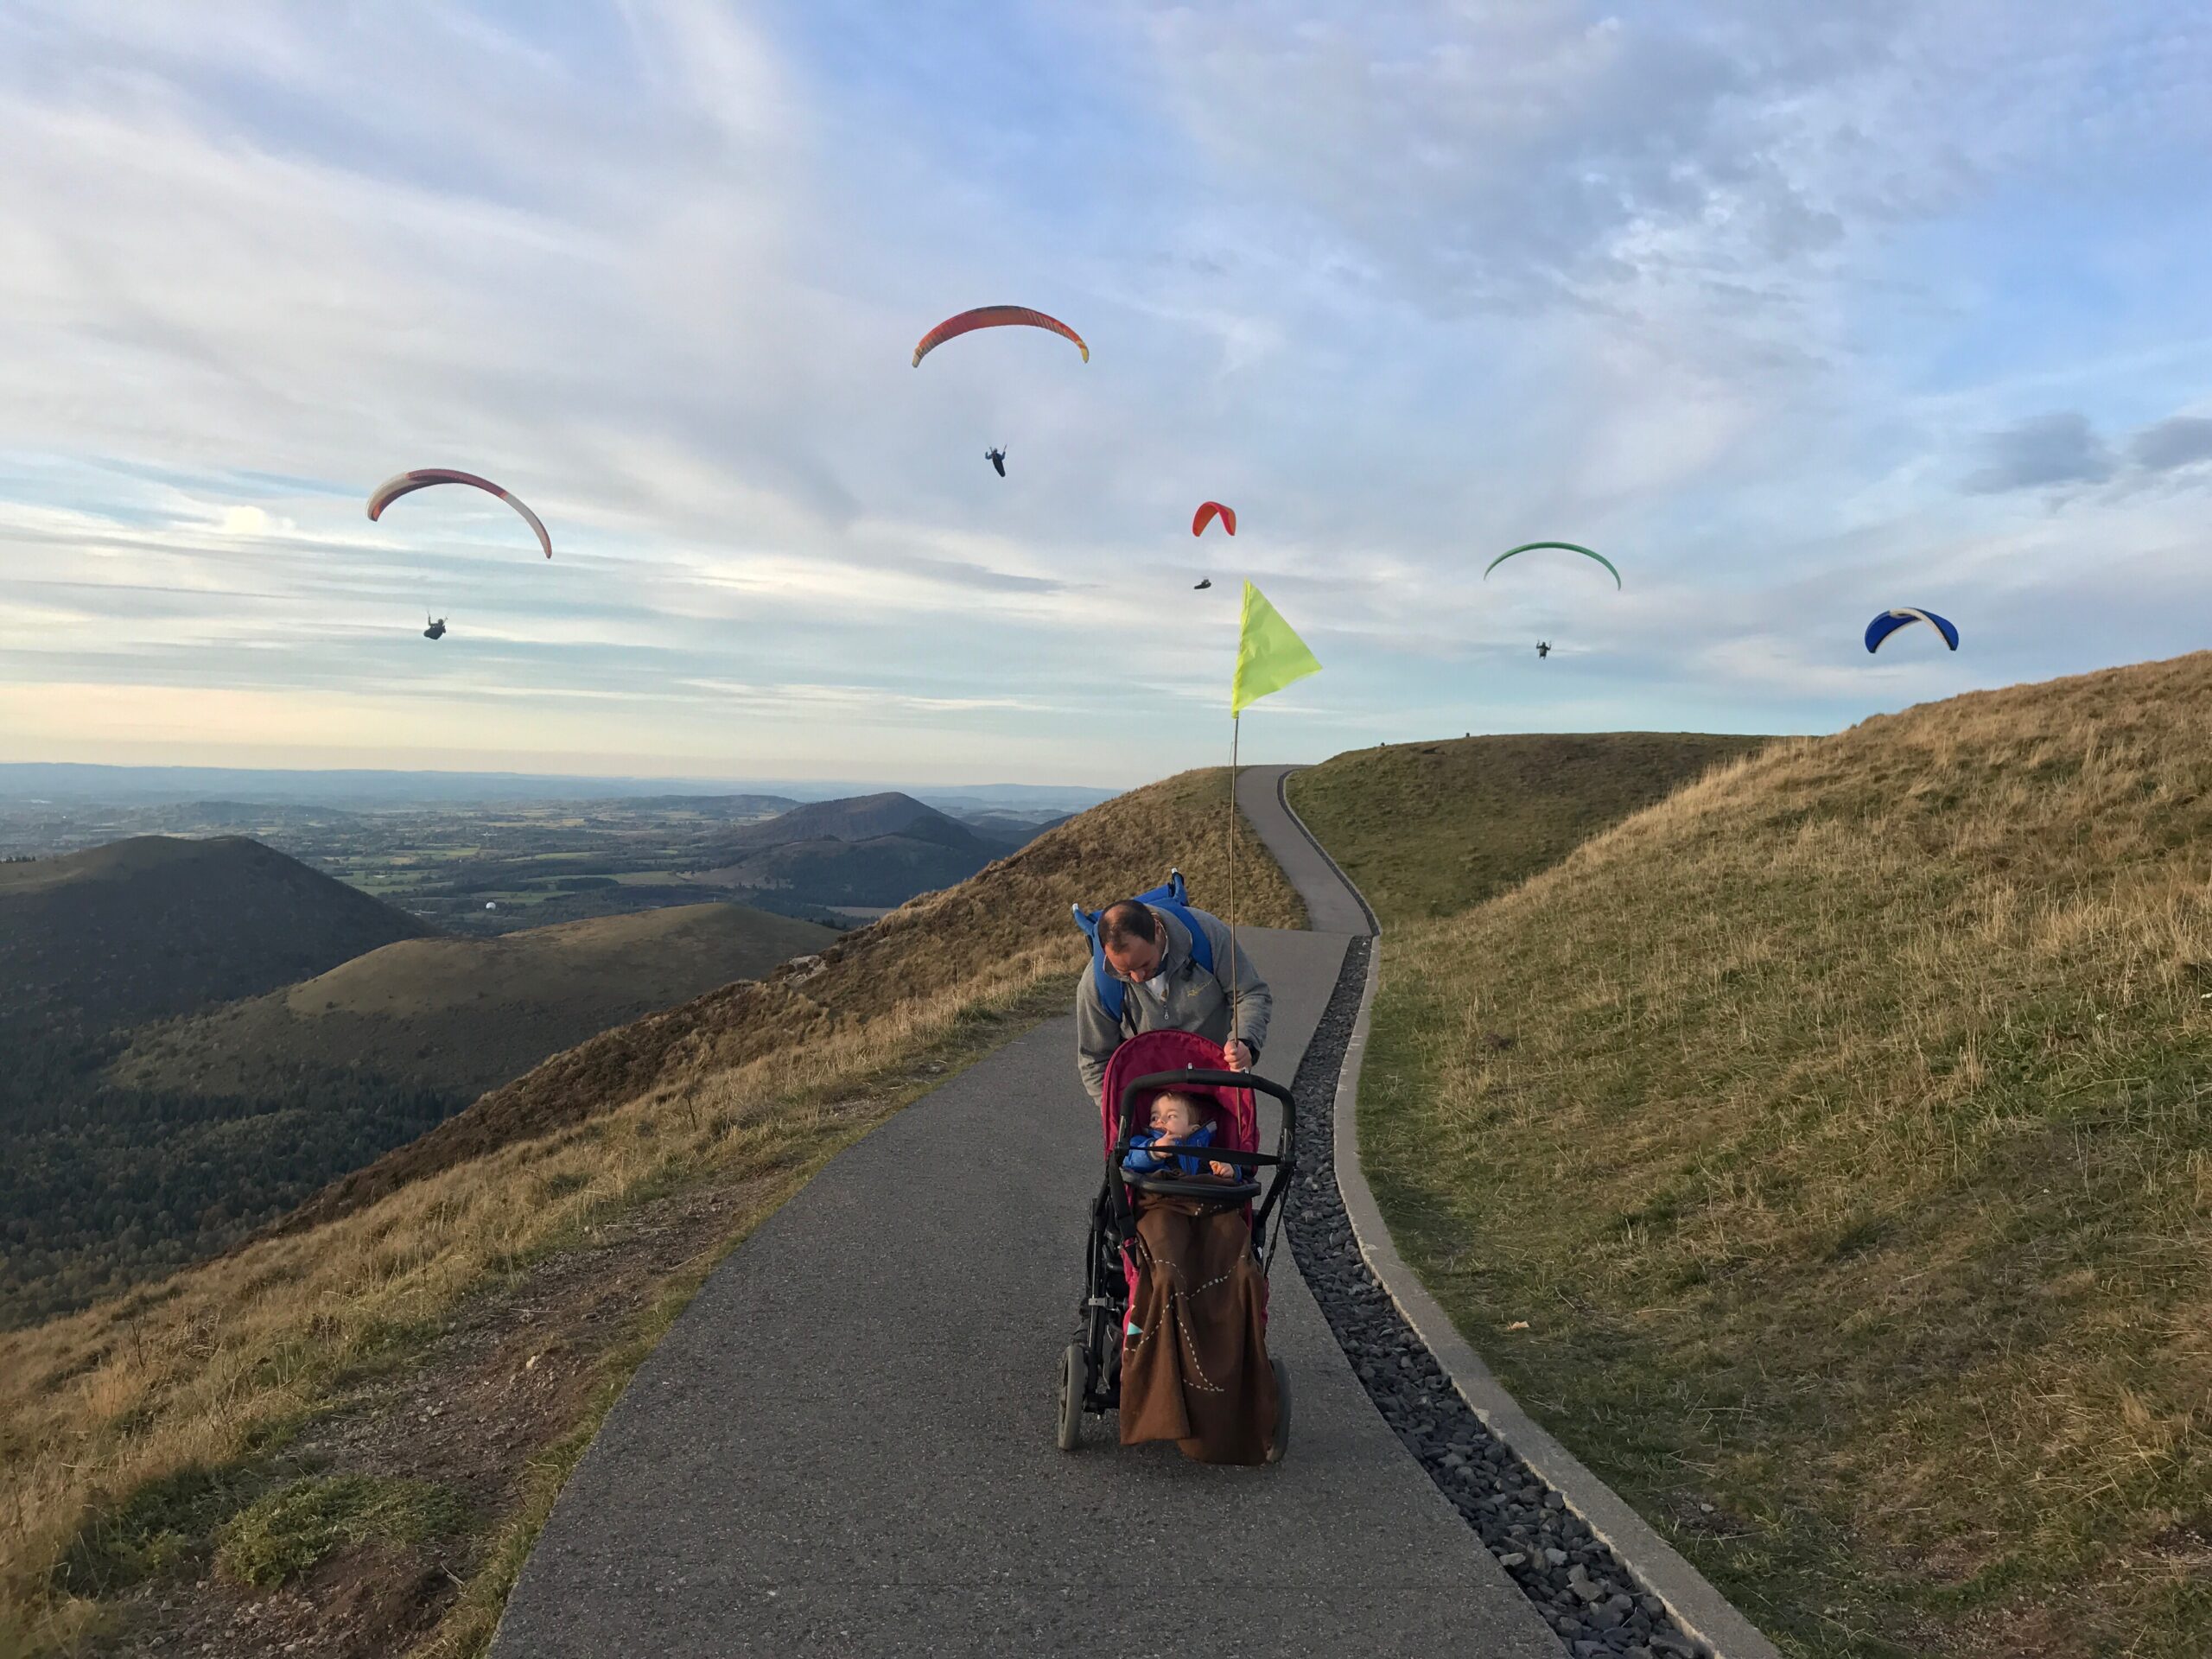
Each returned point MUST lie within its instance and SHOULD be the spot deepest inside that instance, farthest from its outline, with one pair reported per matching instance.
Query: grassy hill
(150, 927)
(1429, 828)
(1839, 1128)
(468, 1014)
(210, 1125)
(141, 1427)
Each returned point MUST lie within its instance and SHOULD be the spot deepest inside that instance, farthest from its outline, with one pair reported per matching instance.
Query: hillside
(1428, 829)
(1838, 1128)
(210, 1125)
(869, 850)
(150, 927)
(1007, 925)
(468, 1014)
(859, 817)
(463, 1312)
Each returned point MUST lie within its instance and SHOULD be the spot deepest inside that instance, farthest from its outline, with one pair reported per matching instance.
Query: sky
(1794, 314)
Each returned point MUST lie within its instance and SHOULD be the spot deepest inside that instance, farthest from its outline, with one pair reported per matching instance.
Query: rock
(1552, 1500)
(1554, 1558)
(1512, 1557)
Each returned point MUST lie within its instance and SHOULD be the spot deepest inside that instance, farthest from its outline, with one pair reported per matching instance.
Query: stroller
(1090, 1369)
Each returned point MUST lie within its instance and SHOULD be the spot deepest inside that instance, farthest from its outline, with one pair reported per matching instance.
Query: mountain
(466, 1014)
(871, 850)
(151, 927)
(1012, 830)
(208, 1125)
(859, 817)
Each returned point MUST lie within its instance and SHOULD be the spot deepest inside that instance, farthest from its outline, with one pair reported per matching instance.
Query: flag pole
(1235, 977)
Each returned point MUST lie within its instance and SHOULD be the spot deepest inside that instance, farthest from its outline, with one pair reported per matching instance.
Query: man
(1166, 989)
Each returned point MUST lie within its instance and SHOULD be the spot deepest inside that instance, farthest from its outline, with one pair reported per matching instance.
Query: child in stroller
(1181, 1128)
(1174, 1320)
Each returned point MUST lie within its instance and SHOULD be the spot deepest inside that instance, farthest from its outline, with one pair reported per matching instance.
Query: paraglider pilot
(997, 458)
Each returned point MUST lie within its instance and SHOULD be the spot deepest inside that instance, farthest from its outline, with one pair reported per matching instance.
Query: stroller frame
(1090, 1367)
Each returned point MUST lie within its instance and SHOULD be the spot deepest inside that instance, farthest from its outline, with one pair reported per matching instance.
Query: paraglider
(423, 477)
(997, 458)
(1543, 648)
(1203, 586)
(436, 629)
(1565, 547)
(994, 316)
(1207, 512)
(1903, 617)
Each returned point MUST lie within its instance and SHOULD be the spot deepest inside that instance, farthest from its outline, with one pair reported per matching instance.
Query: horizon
(1733, 300)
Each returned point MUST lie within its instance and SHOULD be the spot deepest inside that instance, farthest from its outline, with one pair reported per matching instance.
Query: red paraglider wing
(994, 316)
(422, 477)
(1206, 513)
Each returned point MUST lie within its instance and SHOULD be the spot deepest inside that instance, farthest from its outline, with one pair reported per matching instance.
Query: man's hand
(1240, 1057)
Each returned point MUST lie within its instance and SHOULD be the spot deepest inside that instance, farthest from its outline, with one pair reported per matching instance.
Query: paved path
(845, 1445)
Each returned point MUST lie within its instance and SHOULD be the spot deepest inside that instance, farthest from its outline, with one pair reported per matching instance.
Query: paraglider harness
(1171, 896)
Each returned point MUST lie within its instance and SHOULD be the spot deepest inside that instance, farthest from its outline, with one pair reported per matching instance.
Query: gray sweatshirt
(1196, 1000)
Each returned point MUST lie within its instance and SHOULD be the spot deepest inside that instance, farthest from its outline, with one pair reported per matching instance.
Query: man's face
(1136, 960)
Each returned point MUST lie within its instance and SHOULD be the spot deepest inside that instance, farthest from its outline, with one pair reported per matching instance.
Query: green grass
(286, 1533)
(1429, 828)
(1840, 1129)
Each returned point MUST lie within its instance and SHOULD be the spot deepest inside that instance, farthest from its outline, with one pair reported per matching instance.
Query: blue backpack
(1171, 896)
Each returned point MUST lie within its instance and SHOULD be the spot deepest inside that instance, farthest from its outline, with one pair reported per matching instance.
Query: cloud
(2044, 450)
(2167, 446)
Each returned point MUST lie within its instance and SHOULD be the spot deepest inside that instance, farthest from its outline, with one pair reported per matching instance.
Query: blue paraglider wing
(1903, 617)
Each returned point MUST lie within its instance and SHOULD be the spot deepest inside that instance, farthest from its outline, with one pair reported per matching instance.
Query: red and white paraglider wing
(422, 477)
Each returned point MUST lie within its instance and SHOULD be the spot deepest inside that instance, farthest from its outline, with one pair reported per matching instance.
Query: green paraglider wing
(1564, 547)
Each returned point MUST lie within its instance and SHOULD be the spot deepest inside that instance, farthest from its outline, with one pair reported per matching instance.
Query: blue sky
(1795, 315)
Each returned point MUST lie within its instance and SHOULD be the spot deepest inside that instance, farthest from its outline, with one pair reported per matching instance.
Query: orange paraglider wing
(994, 316)
(1208, 511)
(422, 477)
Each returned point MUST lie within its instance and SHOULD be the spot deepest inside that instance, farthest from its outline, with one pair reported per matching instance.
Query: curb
(1700, 1609)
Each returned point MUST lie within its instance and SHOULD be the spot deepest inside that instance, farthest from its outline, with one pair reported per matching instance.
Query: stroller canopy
(1237, 1129)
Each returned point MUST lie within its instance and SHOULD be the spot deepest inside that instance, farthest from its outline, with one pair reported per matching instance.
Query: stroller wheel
(1074, 1367)
(1282, 1412)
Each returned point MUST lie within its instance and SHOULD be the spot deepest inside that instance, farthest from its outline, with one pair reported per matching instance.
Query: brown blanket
(1195, 1370)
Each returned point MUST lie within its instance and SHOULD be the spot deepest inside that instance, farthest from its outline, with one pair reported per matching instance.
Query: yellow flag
(1270, 653)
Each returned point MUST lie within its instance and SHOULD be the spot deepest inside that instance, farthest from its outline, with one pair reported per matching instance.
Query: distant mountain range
(61, 783)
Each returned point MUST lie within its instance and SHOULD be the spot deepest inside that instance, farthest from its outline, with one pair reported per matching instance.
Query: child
(1177, 1120)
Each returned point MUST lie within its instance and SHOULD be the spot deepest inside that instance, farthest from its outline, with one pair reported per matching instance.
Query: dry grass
(1876, 1067)
(226, 1358)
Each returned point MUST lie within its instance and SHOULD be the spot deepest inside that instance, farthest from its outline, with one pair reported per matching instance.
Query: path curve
(844, 1447)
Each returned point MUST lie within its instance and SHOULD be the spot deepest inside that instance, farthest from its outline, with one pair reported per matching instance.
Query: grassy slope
(1874, 1068)
(755, 1084)
(468, 1014)
(149, 927)
(1429, 828)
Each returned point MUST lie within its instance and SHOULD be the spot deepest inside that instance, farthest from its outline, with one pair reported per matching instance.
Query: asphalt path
(845, 1445)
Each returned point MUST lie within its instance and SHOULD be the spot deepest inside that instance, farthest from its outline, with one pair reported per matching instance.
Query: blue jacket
(1142, 1161)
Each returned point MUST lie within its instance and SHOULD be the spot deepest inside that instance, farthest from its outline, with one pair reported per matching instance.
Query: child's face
(1175, 1115)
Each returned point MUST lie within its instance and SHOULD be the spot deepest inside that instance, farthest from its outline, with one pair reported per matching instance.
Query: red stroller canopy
(1238, 1130)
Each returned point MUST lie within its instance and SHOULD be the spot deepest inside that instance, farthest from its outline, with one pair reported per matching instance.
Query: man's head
(1132, 938)
(1176, 1115)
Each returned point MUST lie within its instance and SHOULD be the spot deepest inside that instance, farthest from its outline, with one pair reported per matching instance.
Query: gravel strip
(1578, 1584)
